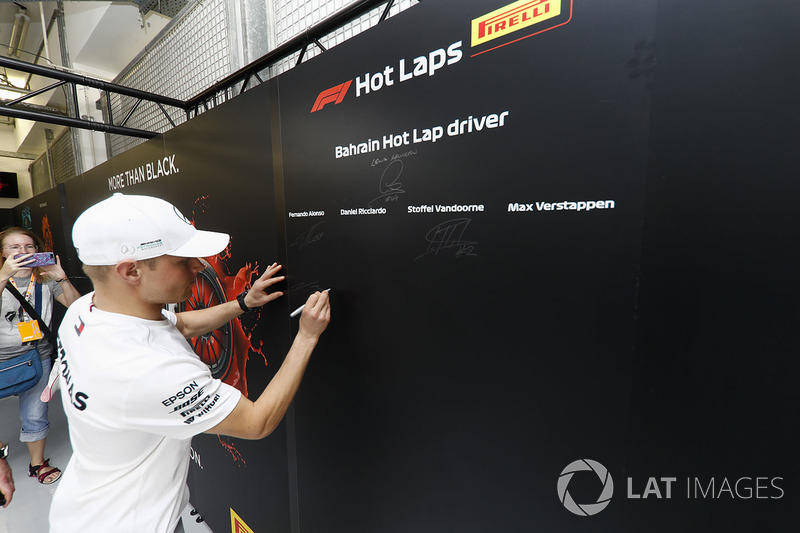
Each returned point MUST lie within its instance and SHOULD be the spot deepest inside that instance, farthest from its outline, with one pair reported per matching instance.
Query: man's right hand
(256, 420)
(316, 315)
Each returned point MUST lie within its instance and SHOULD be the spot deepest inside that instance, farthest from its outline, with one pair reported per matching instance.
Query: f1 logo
(334, 94)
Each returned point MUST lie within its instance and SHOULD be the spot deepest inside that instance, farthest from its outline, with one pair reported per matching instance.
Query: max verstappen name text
(562, 206)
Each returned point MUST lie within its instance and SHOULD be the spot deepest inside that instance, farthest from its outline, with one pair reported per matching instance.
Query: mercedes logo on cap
(180, 215)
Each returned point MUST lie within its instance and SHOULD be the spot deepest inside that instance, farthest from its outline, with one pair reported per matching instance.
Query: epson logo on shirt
(181, 394)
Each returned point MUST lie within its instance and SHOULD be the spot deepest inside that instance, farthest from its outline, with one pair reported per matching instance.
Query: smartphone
(40, 259)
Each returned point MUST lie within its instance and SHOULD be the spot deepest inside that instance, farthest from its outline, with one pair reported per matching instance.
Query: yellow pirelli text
(513, 17)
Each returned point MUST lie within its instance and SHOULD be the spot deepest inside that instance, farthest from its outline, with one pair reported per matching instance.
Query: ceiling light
(18, 33)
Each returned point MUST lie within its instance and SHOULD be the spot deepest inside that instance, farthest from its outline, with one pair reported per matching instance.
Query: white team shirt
(134, 393)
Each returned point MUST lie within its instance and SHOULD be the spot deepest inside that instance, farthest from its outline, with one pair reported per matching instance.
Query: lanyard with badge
(29, 329)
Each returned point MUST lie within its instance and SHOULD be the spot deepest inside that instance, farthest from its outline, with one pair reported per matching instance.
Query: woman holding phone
(17, 249)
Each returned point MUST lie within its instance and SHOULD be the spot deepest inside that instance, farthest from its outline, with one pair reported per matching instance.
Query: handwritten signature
(379, 160)
(449, 236)
(310, 285)
(308, 237)
(389, 184)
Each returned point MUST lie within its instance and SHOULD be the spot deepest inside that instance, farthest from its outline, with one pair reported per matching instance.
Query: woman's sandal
(36, 471)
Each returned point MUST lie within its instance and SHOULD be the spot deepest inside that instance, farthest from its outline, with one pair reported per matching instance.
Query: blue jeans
(33, 411)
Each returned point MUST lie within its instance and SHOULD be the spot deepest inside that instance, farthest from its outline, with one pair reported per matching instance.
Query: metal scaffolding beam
(8, 109)
(219, 92)
(74, 122)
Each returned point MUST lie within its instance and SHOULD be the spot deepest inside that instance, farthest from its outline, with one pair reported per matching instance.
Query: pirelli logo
(513, 17)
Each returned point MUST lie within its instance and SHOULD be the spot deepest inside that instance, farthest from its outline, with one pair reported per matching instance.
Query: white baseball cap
(134, 227)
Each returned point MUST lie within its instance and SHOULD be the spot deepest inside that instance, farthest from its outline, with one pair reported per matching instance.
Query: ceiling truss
(12, 108)
(220, 92)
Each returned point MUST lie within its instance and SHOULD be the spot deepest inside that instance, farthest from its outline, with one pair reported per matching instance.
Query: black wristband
(240, 299)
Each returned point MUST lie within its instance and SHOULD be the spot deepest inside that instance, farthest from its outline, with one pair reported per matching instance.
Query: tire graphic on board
(214, 348)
